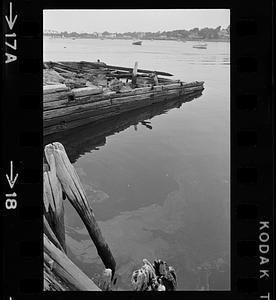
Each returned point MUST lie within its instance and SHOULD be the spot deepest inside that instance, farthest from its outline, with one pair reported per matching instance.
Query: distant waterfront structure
(206, 33)
(223, 33)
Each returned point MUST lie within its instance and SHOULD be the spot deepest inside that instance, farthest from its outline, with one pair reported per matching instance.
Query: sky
(152, 20)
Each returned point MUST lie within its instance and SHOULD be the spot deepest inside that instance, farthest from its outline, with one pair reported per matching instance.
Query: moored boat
(200, 46)
(137, 43)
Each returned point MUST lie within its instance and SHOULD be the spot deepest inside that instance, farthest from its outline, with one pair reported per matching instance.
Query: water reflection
(81, 140)
(160, 202)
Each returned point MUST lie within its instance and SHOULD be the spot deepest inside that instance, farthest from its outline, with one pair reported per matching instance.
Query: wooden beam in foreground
(58, 263)
(72, 187)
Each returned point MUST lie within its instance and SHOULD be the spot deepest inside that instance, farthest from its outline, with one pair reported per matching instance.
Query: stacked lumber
(92, 91)
(86, 91)
(55, 95)
(50, 89)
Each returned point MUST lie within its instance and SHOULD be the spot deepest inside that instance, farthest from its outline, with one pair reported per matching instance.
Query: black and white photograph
(136, 140)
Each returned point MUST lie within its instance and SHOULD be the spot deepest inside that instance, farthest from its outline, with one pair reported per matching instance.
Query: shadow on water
(81, 140)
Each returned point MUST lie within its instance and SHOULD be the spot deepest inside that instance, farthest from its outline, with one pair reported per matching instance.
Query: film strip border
(251, 156)
(251, 153)
(21, 133)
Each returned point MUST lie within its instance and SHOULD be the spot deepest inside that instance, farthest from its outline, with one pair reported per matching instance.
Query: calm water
(159, 189)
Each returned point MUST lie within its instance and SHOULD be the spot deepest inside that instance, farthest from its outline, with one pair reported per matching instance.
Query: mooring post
(134, 74)
(155, 78)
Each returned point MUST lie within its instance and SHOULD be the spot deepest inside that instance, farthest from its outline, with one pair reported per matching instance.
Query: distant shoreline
(188, 40)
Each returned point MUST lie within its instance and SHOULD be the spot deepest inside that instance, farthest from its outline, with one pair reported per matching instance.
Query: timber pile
(62, 182)
(77, 93)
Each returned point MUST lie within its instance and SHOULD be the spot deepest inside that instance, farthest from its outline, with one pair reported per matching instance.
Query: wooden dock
(77, 93)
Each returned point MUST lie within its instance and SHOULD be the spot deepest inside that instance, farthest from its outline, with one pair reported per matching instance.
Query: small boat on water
(200, 46)
(137, 43)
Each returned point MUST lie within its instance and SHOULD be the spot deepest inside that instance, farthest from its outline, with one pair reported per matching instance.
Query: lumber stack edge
(65, 108)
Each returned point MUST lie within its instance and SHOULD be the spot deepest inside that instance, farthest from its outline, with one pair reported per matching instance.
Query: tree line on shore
(195, 33)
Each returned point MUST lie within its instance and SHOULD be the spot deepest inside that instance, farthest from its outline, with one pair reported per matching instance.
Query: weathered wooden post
(56, 263)
(53, 202)
(134, 74)
(74, 191)
(155, 78)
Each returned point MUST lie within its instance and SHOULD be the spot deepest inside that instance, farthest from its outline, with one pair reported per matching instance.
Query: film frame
(251, 148)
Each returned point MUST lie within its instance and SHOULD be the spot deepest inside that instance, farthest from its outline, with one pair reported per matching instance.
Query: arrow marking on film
(10, 179)
(11, 21)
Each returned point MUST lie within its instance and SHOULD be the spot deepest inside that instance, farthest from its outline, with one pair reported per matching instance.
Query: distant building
(223, 33)
(110, 35)
(141, 34)
(48, 31)
(195, 35)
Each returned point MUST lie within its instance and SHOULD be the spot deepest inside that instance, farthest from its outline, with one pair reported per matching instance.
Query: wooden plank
(50, 234)
(65, 269)
(193, 89)
(79, 115)
(103, 65)
(131, 98)
(192, 84)
(76, 108)
(172, 86)
(53, 88)
(88, 99)
(76, 123)
(175, 88)
(105, 96)
(136, 91)
(54, 104)
(121, 109)
(138, 70)
(164, 79)
(75, 193)
(93, 98)
(63, 66)
(51, 283)
(110, 95)
(61, 95)
(158, 88)
(86, 91)
(134, 74)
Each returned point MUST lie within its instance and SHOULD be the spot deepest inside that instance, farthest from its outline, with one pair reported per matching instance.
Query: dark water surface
(157, 178)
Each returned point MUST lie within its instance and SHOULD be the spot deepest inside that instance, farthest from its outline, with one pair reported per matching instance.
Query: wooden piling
(70, 184)
(134, 74)
(155, 78)
(53, 203)
(57, 263)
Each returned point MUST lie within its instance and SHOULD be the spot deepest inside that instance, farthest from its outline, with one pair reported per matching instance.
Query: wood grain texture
(72, 187)
(60, 265)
